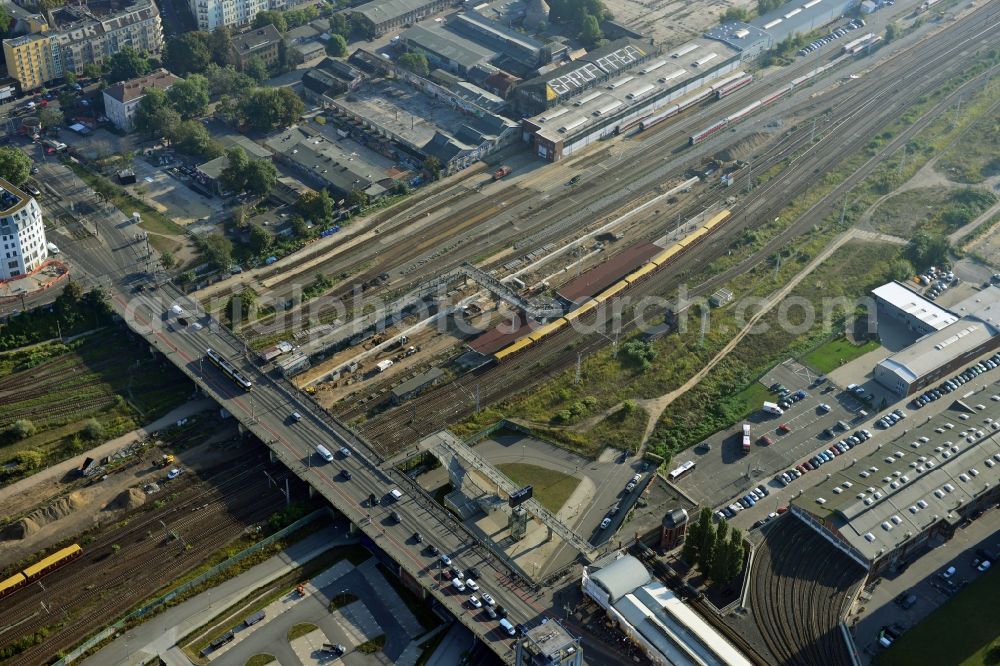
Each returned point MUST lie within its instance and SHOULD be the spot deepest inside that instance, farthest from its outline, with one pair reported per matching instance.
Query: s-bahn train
(39, 569)
(228, 369)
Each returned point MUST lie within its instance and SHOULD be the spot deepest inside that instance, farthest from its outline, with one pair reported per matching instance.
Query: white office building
(211, 14)
(22, 235)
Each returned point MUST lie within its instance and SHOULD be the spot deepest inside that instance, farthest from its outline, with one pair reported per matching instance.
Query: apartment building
(23, 246)
(257, 43)
(32, 60)
(122, 99)
(210, 14)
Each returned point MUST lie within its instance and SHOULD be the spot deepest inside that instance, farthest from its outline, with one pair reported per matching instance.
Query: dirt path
(656, 406)
(957, 235)
(26, 493)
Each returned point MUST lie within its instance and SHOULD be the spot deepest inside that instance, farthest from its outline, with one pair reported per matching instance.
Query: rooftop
(914, 305)
(549, 643)
(922, 476)
(620, 576)
(607, 273)
(133, 89)
(414, 383)
(378, 11)
(800, 16)
(737, 34)
(436, 39)
(11, 198)
(664, 75)
(573, 77)
(248, 42)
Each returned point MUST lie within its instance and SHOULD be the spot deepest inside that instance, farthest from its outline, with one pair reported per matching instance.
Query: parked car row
(891, 419)
(949, 385)
(833, 451)
(788, 476)
(751, 498)
(836, 34)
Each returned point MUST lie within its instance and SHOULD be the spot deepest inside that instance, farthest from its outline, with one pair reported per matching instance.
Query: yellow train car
(612, 291)
(513, 349)
(13, 583)
(580, 311)
(693, 237)
(668, 254)
(641, 273)
(717, 219)
(547, 329)
(53, 561)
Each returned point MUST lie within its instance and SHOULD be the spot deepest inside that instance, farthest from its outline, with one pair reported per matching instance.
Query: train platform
(604, 275)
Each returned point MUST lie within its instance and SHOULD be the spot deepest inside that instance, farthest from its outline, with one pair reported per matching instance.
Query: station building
(969, 330)
(888, 507)
(597, 99)
(653, 617)
(380, 16)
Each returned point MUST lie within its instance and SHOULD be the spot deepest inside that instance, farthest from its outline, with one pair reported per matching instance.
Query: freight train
(39, 569)
(640, 274)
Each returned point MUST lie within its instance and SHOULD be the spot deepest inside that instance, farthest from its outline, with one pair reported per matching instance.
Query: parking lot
(166, 192)
(724, 471)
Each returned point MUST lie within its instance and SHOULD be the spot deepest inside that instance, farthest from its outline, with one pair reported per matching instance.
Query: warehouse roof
(737, 34)
(935, 349)
(418, 382)
(448, 45)
(914, 305)
(801, 16)
(379, 11)
(904, 486)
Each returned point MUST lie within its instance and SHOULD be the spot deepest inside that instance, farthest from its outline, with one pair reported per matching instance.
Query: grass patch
(152, 219)
(425, 616)
(300, 630)
(623, 429)
(835, 353)
(972, 631)
(342, 599)
(260, 660)
(551, 488)
(372, 646)
(937, 210)
(976, 155)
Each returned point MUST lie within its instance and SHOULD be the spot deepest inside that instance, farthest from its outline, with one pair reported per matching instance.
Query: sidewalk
(160, 634)
(59, 471)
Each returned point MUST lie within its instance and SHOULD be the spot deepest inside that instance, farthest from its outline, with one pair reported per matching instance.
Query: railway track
(99, 587)
(870, 107)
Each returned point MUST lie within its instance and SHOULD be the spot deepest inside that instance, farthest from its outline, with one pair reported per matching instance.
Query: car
(858, 390)
(445, 560)
(456, 572)
(745, 502)
(474, 573)
(492, 614)
(728, 512)
(174, 473)
(605, 523)
(417, 538)
(984, 566)
(823, 407)
(764, 440)
(395, 517)
(763, 490)
(782, 479)
(784, 404)
(947, 573)
(345, 474)
(801, 468)
(784, 428)
(488, 600)
(345, 452)
(475, 602)
(900, 413)
(501, 611)
(295, 417)
(471, 583)
(433, 550)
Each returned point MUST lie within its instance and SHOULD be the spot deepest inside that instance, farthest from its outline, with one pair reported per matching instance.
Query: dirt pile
(128, 499)
(34, 521)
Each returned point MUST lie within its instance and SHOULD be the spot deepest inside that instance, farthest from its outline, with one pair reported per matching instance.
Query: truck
(382, 366)
(501, 172)
(772, 408)
(746, 438)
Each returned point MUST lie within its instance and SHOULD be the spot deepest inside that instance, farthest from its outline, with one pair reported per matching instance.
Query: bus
(682, 470)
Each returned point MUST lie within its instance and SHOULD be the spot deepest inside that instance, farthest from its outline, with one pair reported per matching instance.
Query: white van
(324, 453)
(53, 249)
(458, 584)
(395, 494)
(507, 626)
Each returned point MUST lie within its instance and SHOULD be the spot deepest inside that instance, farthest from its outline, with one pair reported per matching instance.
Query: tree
(69, 78)
(227, 81)
(735, 555)
(15, 166)
(261, 177)
(167, 259)
(155, 116)
(900, 269)
(288, 58)
(706, 551)
(234, 175)
(339, 25)
(764, 6)
(692, 544)
(891, 32)
(316, 206)
(6, 20)
(218, 250)
(363, 26)
(128, 64)
(241, 305)
(189, 96)
(722, 553)
(21, 429)
(264, 109)
(260, 239)
(93, 430)
(296, 17)
(357, 197)
(192, 138)
(432, 165)
(67, 101)
(336, 46)
(590, 31)
(50, 117)
(275, 18)
(92, 70)
(30, 460)
(256, 69)
(300, 227)
(221, 45)
(189, 53)
(927, 249)
(415, 62)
